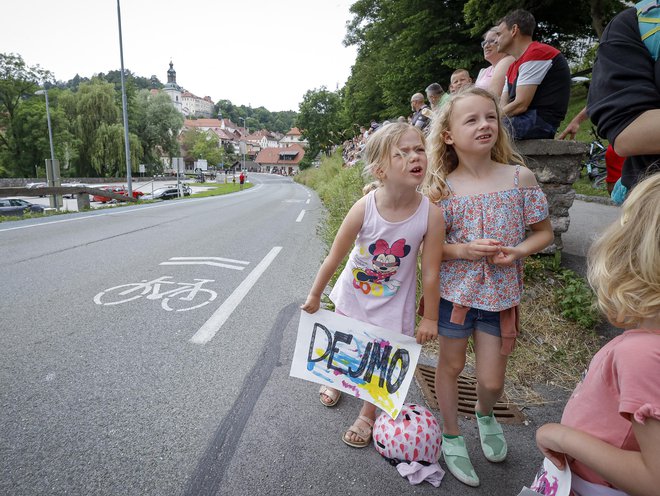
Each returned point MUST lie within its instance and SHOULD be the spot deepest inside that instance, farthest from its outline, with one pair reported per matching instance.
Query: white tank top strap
(516, 176)
(451, 190)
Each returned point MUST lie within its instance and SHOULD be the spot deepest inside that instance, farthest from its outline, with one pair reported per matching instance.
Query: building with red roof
(281, 159)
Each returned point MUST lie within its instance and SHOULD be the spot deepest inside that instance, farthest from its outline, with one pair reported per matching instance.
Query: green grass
(583, 187)
(9, 218)
(576, 104)
(218, 189)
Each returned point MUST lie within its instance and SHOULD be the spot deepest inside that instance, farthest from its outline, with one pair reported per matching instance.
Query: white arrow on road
(214, 261)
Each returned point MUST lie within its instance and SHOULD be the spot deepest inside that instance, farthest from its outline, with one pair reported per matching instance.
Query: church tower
(173, 89)
(171, 74)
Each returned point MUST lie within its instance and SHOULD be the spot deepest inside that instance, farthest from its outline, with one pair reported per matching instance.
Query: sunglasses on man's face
(485, 43)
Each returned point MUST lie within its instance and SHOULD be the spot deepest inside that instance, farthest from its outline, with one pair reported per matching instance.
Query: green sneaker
(493, 443)
(458, 461)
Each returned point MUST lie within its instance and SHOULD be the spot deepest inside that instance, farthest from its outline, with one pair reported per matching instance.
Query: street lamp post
(127, 145)
(52, 172)
(244, 143)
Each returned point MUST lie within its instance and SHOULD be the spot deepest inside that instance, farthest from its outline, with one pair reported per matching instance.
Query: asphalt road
(117, 399)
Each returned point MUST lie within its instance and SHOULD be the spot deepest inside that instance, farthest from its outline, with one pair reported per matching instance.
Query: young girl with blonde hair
(488, 199)
(610, 429)
(385, 229)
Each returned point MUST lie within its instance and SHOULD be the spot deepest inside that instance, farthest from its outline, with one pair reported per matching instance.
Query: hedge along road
(122, 399)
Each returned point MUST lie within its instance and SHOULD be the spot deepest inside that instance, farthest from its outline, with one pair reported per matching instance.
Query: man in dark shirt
(421, 112)
(538, 85)
(624, 96)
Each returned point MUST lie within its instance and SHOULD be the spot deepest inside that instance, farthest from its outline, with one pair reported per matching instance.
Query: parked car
(115, 189)
(167, 193)
(16, 206)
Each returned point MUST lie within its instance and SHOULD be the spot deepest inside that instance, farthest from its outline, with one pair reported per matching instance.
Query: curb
(595, 199)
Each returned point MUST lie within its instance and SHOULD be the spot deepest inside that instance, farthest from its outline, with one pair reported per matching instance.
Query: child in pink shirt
(610, 430)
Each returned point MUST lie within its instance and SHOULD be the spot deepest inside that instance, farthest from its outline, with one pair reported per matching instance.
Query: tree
(259, 118)
(158, 124)
(202, 145)
(17, 81)
(554, 26)
(31, 130)
(95, 106)
(320, 120)
(108, 153)
(403, 46)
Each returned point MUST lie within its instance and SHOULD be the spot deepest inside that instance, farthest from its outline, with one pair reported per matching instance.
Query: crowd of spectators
(532, 81)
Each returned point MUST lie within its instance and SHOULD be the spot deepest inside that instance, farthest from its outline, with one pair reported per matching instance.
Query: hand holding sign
(366, 361)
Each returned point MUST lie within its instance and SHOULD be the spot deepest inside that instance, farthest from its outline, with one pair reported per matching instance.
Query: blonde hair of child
(378, 151)
(369, 187)
(624, 263)
(442, 158)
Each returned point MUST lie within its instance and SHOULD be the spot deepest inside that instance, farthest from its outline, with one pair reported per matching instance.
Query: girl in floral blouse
(488, 198)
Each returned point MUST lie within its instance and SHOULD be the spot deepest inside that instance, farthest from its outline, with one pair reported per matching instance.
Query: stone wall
(556, 165)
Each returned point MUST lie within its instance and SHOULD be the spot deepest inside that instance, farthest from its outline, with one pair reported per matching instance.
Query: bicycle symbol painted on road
(190, 295)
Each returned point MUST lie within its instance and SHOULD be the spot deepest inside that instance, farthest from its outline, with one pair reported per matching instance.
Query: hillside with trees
(87, 125)
(403, 46)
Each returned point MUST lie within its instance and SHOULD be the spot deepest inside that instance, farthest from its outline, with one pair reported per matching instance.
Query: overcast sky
(252, 52)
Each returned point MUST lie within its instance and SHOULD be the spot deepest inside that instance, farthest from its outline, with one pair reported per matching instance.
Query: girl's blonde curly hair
(442, 158)
(624, 263)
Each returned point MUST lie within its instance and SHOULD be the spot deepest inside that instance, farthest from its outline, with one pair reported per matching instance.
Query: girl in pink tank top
(384, 231)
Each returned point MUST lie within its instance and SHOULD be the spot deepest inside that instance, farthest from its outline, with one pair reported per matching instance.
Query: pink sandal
(333, 394)
(361, 432)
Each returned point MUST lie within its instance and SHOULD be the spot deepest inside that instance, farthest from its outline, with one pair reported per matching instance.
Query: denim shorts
(479, 320)
(529, 125)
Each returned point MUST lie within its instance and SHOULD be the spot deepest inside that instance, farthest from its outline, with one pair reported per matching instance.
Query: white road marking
(301, 215)
(220, 316)
(307, 202)
(213, 261)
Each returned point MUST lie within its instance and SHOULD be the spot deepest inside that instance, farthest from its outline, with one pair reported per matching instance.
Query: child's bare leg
(368, 410)
(490, 370)
(451, 361)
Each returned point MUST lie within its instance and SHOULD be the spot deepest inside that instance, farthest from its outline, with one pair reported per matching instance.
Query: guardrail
(60, 190)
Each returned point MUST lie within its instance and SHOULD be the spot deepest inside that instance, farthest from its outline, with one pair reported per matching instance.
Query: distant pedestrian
(385, 230)
(241, 179)
(610, 429)
(489, 199)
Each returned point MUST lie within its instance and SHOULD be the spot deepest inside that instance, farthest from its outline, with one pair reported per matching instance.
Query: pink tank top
(379, 281)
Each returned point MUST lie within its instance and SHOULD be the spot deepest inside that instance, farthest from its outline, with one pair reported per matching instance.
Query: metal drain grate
(505, 412)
